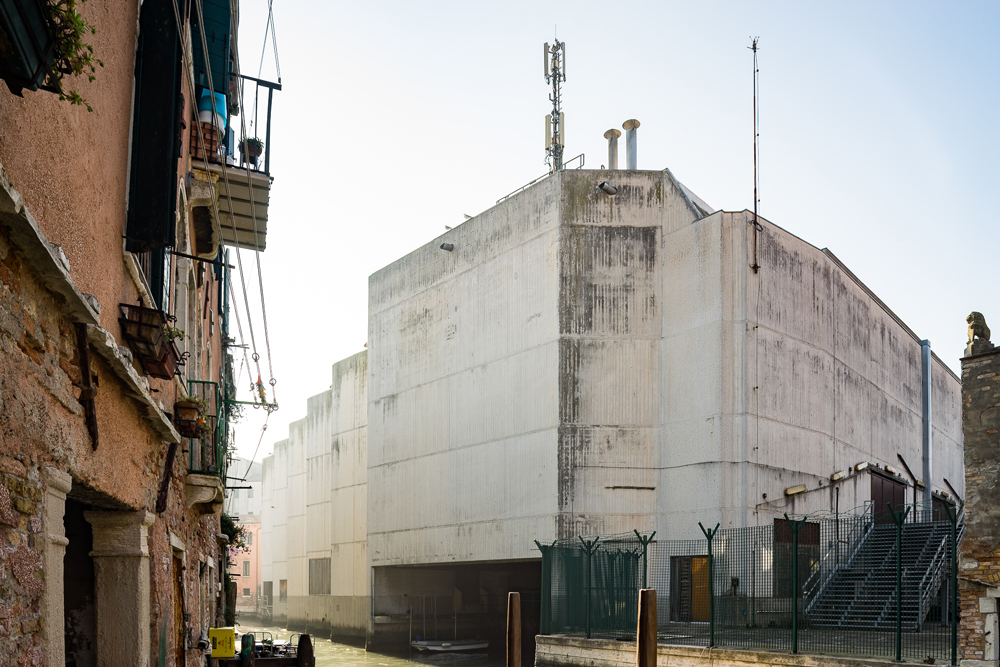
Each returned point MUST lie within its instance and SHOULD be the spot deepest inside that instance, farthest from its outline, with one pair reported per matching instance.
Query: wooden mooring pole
(513, 630)
(645, 638)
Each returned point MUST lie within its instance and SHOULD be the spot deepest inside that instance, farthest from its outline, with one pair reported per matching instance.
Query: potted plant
(250, 150)
(189, 416)
(43, 42)
(173, 333)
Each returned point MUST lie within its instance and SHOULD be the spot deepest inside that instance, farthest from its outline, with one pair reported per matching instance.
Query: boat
(453, 646)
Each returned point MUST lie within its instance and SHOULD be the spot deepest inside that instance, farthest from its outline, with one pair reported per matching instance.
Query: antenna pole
(756, 225)
(555, 74)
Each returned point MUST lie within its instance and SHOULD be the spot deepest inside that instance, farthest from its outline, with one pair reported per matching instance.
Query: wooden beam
(645, 644)
(513, 630)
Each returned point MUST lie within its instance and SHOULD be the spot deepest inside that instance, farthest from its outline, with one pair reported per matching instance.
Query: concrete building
(113, 313)
(979, 561)
(245, 497)
(573, 362)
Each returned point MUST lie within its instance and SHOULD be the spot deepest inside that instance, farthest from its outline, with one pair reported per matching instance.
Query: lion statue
(977, 327)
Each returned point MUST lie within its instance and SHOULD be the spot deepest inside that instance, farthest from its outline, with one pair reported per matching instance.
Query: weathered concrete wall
(463, 390)
(560, 651)
(979, 563)
(781, 377)
(611, 319)
(838, 382)
(314, 484)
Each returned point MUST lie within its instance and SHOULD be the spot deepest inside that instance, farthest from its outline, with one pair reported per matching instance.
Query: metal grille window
(319, 576)
(246, 592)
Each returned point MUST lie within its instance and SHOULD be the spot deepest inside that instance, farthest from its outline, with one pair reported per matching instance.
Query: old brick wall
(21, 621)
(979, 565)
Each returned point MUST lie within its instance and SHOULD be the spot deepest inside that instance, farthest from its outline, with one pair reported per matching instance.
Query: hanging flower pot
(188, 413)
(251, 149)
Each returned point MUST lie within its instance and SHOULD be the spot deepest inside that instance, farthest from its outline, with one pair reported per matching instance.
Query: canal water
(330, 653)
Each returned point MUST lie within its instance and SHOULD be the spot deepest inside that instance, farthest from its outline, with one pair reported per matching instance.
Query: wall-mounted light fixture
(607, 188)
(792, 490)
(448, 246)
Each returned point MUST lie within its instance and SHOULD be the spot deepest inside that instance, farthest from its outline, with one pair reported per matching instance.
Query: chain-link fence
(869, 584)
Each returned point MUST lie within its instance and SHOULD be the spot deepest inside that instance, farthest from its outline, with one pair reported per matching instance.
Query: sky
(877, 121)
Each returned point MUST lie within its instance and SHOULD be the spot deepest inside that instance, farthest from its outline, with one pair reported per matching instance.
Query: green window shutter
(155, 131)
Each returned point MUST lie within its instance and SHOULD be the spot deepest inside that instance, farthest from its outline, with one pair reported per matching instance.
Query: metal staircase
(858, 592)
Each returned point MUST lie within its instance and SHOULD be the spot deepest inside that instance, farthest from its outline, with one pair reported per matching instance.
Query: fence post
(545, 604)
(953, 586)
(645, 560)
(513, 630)
(898, 519)
(796, 526)
(709, 534)
(589, 547)
(645, 637)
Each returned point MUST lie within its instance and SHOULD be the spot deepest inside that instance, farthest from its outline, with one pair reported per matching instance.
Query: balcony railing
(207, 454)
(255, 98)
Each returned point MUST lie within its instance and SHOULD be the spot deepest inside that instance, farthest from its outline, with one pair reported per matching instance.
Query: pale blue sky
(878, 130)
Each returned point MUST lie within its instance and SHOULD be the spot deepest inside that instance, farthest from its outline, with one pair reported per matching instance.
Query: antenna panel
(548, 131)
(545, 57)
(562, 129)
(563, 45)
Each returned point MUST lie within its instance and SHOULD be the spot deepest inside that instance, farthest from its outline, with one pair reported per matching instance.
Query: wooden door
(699, 589)
(178, 613)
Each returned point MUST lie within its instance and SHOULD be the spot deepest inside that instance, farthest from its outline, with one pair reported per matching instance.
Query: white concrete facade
(582, 363)
(314, 508)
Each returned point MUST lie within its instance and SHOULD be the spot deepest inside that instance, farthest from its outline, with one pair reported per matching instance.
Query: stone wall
(979, 564)
(560, 651)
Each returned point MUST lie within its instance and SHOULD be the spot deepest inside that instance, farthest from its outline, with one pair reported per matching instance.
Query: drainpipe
(630, 127)
(928, 450)
(612, 137)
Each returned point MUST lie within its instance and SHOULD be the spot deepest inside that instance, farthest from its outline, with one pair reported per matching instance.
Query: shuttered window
(155, 130)
(319, 576)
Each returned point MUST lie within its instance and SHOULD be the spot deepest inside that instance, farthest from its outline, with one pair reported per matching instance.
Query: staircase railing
(931, 581)
(817, 583)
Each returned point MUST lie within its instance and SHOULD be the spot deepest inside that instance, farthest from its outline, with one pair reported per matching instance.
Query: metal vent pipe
(630, 126)
(927, 455)
(612, 137)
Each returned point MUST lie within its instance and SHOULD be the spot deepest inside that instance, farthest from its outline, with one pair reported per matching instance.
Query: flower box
(142, 329)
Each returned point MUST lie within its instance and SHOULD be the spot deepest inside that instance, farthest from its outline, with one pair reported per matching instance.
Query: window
(246, 592)
(319, 576)
(246, 568)
(283, 590)
(249, 539)
(268, 592)
(250, 492)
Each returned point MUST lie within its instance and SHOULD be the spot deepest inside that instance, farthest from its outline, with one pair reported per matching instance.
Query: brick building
(979, 564)
(111, 247)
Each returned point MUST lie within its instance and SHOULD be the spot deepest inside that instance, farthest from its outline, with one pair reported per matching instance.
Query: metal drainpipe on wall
(928, 445)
